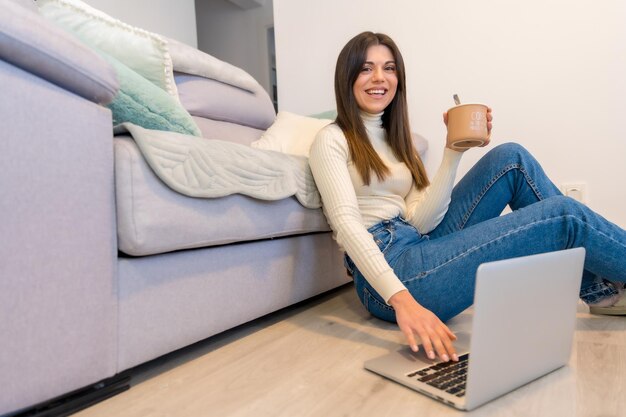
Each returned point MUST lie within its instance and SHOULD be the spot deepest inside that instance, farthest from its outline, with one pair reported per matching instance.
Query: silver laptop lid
(523, 325)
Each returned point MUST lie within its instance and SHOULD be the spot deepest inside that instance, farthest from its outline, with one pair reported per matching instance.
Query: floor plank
(308, 361)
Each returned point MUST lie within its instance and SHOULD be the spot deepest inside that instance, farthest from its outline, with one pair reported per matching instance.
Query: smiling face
(377, 83)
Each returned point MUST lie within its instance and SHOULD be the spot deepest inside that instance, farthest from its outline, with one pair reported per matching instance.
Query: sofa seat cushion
(152, 218)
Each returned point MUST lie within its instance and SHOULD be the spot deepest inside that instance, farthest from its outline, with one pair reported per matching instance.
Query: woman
(413, 246)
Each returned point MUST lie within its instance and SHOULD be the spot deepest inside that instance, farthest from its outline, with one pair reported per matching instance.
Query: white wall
(174, 19)
(237, 36)
(554, 72)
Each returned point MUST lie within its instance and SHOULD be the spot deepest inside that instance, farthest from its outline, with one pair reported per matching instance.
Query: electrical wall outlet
(576, 190)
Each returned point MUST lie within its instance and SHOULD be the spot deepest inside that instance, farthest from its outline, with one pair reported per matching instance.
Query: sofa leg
(80, 399)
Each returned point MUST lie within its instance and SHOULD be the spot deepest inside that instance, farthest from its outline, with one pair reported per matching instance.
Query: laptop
(521, 329)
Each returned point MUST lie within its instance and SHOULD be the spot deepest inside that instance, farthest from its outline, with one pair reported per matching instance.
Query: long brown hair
(395, 118)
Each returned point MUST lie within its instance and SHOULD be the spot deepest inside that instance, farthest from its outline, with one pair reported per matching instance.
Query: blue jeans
(439, 269)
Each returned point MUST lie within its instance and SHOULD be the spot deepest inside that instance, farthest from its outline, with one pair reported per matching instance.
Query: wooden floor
(308, 361)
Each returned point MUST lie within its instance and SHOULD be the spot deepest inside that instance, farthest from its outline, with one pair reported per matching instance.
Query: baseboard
(80, 399)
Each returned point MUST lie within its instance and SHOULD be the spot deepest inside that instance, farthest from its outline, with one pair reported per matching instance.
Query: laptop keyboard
(447, 376)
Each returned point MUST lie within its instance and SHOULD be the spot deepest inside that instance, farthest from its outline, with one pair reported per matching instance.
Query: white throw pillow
(144, 52)
(291, 133)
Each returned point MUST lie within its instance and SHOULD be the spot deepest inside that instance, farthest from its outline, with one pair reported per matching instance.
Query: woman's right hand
(413, 319)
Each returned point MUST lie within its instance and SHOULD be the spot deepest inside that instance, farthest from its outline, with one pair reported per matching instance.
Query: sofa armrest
(30, 42)
(58, 293)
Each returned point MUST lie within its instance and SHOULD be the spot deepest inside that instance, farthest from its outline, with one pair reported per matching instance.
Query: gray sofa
(102, 266)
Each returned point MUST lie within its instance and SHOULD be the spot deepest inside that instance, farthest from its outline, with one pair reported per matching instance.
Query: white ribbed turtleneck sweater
(352, 207)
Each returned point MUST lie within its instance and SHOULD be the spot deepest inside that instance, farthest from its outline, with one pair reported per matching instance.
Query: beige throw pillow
(291, 133)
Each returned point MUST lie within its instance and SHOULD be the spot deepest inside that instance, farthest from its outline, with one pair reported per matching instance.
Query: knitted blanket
(199, 167)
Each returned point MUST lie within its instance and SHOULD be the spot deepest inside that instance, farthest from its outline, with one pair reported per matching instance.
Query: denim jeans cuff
(598, 292)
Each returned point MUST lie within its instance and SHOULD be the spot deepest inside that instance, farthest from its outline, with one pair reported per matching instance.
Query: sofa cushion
(215, 100)
(30, 42)
(291, 133)
(154, 219)
(143, 51)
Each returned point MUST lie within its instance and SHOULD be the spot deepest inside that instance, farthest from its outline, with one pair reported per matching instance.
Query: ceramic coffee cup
(467, 126)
